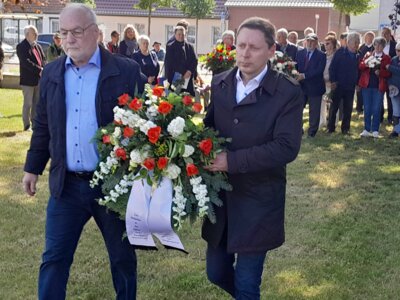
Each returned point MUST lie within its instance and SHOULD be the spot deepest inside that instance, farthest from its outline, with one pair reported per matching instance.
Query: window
(140, 28)
(191, 35)
(54, 25)
(215, 35)
(169, 32)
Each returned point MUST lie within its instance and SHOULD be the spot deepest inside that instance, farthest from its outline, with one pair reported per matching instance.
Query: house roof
(48, 7)
(277, 3)
(126, 8)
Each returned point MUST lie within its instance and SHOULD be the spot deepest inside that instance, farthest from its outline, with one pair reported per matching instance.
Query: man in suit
(261, 110)
(390, 49)
(284, 45)
(311, 65)
(31, 62)
(343, 75)
(78, 93)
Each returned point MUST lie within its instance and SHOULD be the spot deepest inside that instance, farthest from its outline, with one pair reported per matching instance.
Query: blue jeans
(396, 111)
(66, 217)
(241, 281)
(373, 99)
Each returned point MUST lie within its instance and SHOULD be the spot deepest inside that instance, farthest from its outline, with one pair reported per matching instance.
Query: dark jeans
(347, 97)
(241, 281)
(66, 217)
(314, 106)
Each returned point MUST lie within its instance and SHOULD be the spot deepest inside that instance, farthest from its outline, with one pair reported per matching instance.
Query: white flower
(175, 128)
(166, 84)
(172, 171)
(279, 65)
(279, 53)
(295, 72)
(189, 150)
(117, 132)
(136, 157)
(146, 126)
(152, 112)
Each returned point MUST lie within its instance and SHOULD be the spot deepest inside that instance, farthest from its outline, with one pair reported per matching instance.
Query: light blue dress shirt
(80, 91)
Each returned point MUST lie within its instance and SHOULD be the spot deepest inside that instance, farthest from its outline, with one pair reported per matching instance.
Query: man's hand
(150, 79)
(333, 86)
(300, 77)
(377, 72)
(29, 183)
(220, 163)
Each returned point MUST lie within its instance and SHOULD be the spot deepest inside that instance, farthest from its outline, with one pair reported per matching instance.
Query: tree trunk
(149, 20)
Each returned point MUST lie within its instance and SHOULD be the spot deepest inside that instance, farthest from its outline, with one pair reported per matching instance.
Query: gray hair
(86, 10)
(282, 31)
(353, 37)
(380, 41)
(143, 38)
(228, 32)
(28, 28)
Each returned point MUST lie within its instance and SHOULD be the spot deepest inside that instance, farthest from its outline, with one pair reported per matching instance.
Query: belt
(81, 175)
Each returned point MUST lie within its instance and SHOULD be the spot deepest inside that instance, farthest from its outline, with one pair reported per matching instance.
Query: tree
(351, 7)
(198, 9)
(90, 3)
(150, 6)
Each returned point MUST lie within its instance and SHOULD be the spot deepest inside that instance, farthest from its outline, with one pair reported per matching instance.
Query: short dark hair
(343, 35)
(114, 33)
(183, 23)
(261, 24)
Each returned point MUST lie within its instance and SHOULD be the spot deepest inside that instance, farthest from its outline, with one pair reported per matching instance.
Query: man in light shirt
(261, 110)
(78, 94)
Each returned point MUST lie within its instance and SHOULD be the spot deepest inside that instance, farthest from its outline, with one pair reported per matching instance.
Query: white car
(7, 49)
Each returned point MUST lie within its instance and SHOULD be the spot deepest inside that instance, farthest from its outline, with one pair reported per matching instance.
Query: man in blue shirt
(78, 93)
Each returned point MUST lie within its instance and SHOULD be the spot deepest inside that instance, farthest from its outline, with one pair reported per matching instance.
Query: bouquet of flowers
(373, 62)
(220, 59)
(154, 138)
(284, 63)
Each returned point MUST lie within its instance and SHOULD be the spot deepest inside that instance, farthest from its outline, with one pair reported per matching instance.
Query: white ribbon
(149, 213)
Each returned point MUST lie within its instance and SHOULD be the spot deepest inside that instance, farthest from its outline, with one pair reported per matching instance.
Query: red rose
(149, 163)
(158, 91)
(123, 99)
(162, 162)
(106, 139)
(187, 100)
(164, 107)
(191, 170)
(228, 48)
(120, 152)
(221, 58)
(153, 134)
(206, 146)
(197, 107)
(230, 58)
(128, 132)
(135, 104)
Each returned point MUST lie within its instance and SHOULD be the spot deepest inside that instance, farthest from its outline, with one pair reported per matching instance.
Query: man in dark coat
(284, 45)
(343, 75)
(31, 62)
(390, 49)
(180, 60)
(78, 94)
(261, 110)
(311, 65)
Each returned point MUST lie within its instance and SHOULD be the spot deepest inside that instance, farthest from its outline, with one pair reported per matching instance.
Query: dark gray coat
(266, 130)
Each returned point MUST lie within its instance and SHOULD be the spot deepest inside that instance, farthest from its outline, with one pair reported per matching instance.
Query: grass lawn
(342, 228)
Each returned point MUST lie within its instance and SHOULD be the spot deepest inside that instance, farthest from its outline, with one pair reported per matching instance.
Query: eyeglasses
(327, 44)
(76, 32)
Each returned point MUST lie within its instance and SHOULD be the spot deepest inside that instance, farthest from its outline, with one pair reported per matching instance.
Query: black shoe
(330, 131)
(26, 127)
(345, 132)
(393, 135)
(311, 135)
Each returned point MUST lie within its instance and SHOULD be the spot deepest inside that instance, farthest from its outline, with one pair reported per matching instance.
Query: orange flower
(135, 104)
(120, 152)
(149, 163)
(191, 170)
(164, 107)
(123, 99)
(106, 139)
(128, 132)
(153, 134)
(206, 146)
(187, 100)
(158, 91)
(162, 162)
(197, 107)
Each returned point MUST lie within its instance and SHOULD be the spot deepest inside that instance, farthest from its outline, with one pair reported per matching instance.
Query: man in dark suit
(78, 93)
(261, 110)
(311, 64)
(390, 49)
(284, 45)
(343, 75)
(31, 62)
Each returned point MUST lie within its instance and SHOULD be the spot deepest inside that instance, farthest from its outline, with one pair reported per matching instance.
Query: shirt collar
(258, 78)
(94, 60)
